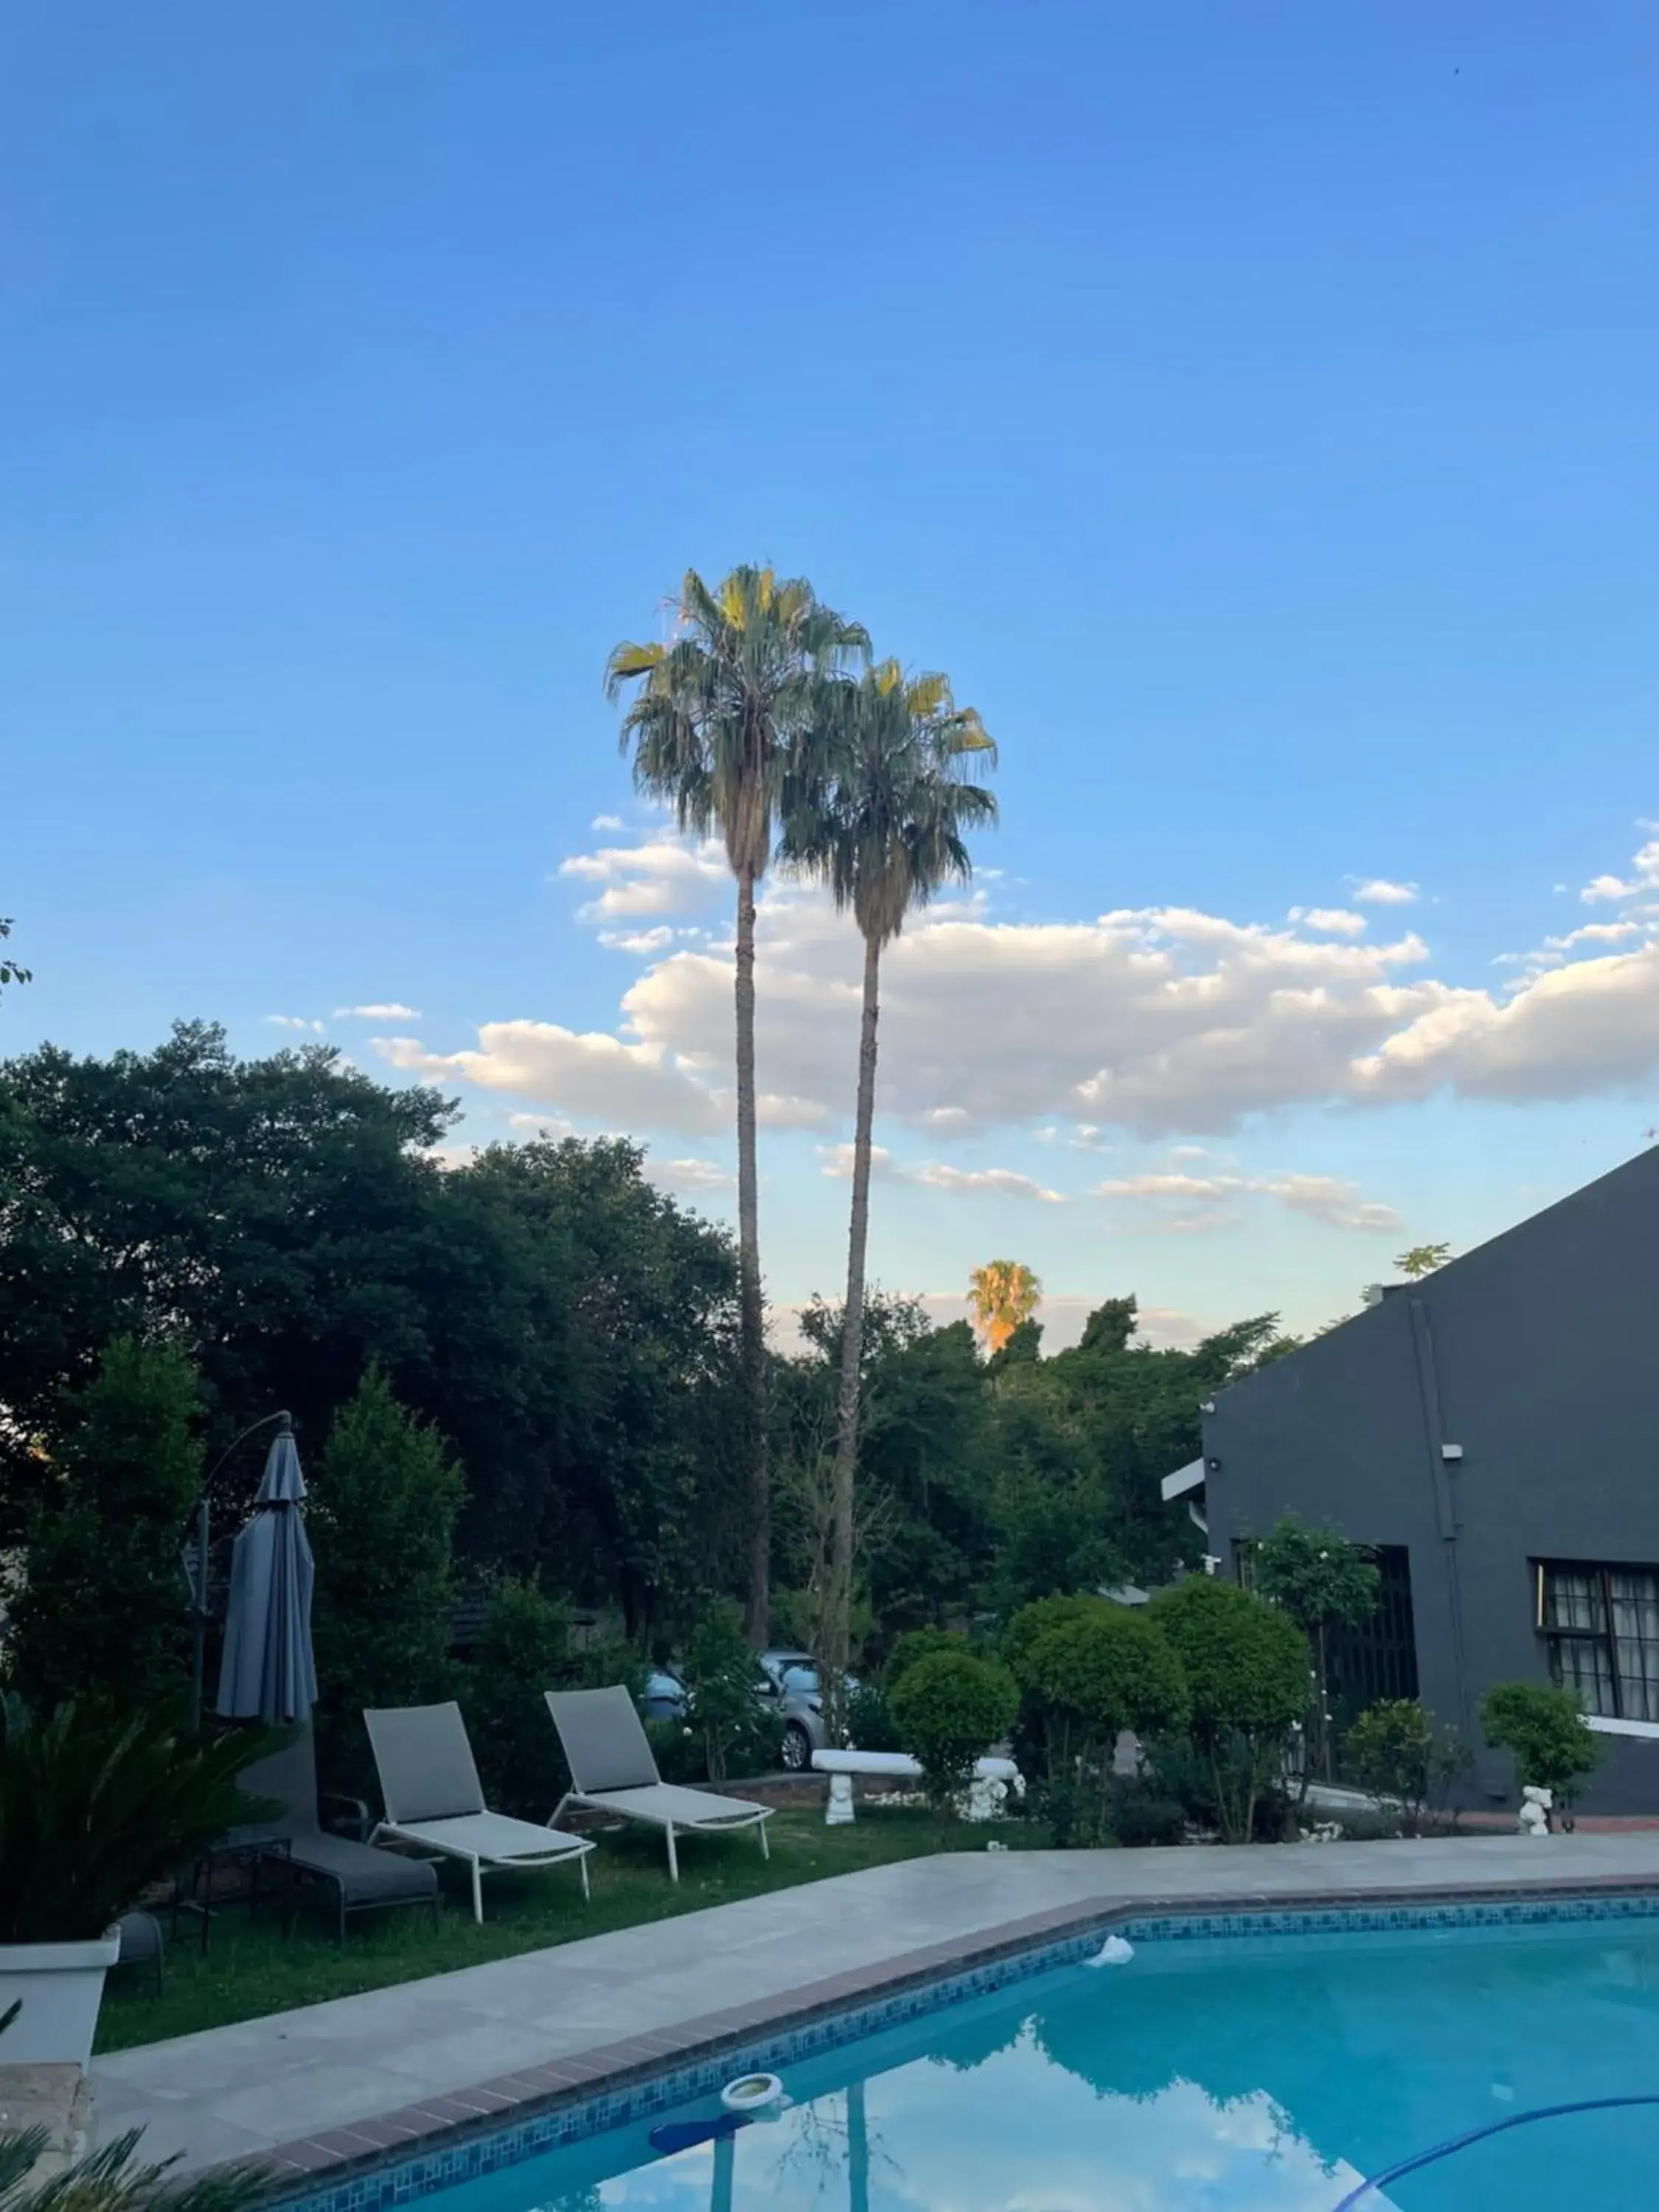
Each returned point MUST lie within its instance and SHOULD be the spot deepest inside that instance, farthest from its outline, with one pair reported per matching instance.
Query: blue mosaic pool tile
(401, 2181)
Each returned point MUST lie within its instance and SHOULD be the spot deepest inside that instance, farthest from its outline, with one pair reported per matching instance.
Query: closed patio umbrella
(267, 1672)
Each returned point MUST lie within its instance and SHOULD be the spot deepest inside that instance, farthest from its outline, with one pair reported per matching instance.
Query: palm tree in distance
(1001, 1295)
(879, 814)
(716, 720)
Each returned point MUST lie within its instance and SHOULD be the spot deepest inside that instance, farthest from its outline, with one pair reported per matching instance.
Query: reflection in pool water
(1256, 2073)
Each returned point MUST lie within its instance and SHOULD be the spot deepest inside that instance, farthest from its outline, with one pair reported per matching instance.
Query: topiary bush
(915, 1643)
(1090, 1669)
(1545, 1728)
(1394, 1752)
(1246, 1668)
(950, 1709)
(870, 1722)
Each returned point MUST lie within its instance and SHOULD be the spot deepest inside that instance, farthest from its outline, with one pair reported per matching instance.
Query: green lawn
(249, 1969)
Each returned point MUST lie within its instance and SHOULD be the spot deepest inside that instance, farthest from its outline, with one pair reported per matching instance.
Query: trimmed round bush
(1247, 1671)
(950, 1708)
(1546, 1729)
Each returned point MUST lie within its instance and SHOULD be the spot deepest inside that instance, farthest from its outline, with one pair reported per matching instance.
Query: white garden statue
(1535, 1807)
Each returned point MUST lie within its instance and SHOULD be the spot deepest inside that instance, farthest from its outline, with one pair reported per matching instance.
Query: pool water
(1258, 2072)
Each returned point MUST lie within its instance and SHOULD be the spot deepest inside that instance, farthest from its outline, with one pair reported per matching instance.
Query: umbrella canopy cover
(268, 1673)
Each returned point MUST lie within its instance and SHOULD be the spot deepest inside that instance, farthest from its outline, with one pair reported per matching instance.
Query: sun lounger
(433, 1799)
(613, 1768)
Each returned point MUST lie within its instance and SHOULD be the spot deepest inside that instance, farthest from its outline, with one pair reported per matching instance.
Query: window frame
(1599, 1572)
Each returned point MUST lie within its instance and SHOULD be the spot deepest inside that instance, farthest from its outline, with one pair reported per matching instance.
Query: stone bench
(995, 1780)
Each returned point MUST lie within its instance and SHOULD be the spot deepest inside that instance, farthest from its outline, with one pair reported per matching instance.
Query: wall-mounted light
(1451, 1452)
(1206, 1405)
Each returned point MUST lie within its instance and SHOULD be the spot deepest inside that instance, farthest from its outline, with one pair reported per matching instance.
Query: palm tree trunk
(758, 1609)
(838, 1610)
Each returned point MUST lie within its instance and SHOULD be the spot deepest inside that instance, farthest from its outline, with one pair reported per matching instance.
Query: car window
(805, 1679)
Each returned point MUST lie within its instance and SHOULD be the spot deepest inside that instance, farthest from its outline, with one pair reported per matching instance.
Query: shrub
(523, 1651)
(918, 1644)
(103, 1609)
(1545, 1728)
(1142, 1815)
(95, 1808)
(1091, 1669)
(870, 1721)
(384, 1500)
(1246, 1667)
(676, 1750)
(1394, 1752)
(950, 1709)
(736, 1730)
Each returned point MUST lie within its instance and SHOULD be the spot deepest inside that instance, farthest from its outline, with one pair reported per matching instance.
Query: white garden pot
(61, 1986)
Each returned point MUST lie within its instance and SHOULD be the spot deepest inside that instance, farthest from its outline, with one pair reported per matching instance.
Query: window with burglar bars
(1600, 1624)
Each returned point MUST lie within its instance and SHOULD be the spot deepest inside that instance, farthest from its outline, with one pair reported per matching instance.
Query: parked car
(786, 1682)
(663, 1698)
(791, 1688)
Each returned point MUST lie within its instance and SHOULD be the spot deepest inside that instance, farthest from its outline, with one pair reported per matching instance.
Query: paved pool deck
(325, 2088)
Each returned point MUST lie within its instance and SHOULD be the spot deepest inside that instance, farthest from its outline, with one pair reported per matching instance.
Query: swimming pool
(1242, 2071)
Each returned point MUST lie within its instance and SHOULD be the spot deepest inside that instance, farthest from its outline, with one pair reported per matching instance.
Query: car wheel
(797, 1748)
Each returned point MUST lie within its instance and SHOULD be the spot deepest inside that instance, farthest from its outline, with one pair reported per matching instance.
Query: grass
(251, 1969)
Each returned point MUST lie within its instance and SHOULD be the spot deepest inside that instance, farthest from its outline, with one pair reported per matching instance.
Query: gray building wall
(1537, 1355)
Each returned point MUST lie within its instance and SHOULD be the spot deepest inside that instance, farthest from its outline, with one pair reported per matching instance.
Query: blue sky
(1252, 409)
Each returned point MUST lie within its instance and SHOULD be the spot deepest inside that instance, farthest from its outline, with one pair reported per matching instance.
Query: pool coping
(337, 2157)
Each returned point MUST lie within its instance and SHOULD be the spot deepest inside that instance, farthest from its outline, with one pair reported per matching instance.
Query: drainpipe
(1428, 1387)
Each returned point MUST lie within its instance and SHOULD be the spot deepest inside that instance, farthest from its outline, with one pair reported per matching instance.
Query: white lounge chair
(435, 1800)
(613, 1768)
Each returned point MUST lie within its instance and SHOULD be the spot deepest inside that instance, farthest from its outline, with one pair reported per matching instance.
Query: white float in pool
(752, 2092)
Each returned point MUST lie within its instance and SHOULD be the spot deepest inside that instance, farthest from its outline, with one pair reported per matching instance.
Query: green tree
(1091, 1669)
(1322, 1582)
(1001, 1295)
(1422, 1259)
(1394, 1751)
(1246, 1666)
(949, 1709)
(880, 813)
(104, 1605)
(716, 722)
(275, 1216)
(384, 1500)
(721, 1683)
(1545, 1728)
(11, 971)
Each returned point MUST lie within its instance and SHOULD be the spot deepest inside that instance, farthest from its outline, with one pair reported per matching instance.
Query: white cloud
(608, 822)
(1333, 921)
(664, 875)
(293, 1022)
(1594, 932)
(934, 1175)
(1160, 1022)
(386, 1010)
(1327, 1199)
(690, 1175)
(1615, 888)
(836, 1161)
(1378, 891)
(550, 1126)
(642, 943)
(590, 1074)
(1593, 1025)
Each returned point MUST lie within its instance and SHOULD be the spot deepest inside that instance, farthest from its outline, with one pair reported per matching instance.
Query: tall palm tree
(714, 725)
(880, 814)
(1002, 1294)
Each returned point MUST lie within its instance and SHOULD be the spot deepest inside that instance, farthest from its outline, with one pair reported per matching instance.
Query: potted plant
(95, 1808)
